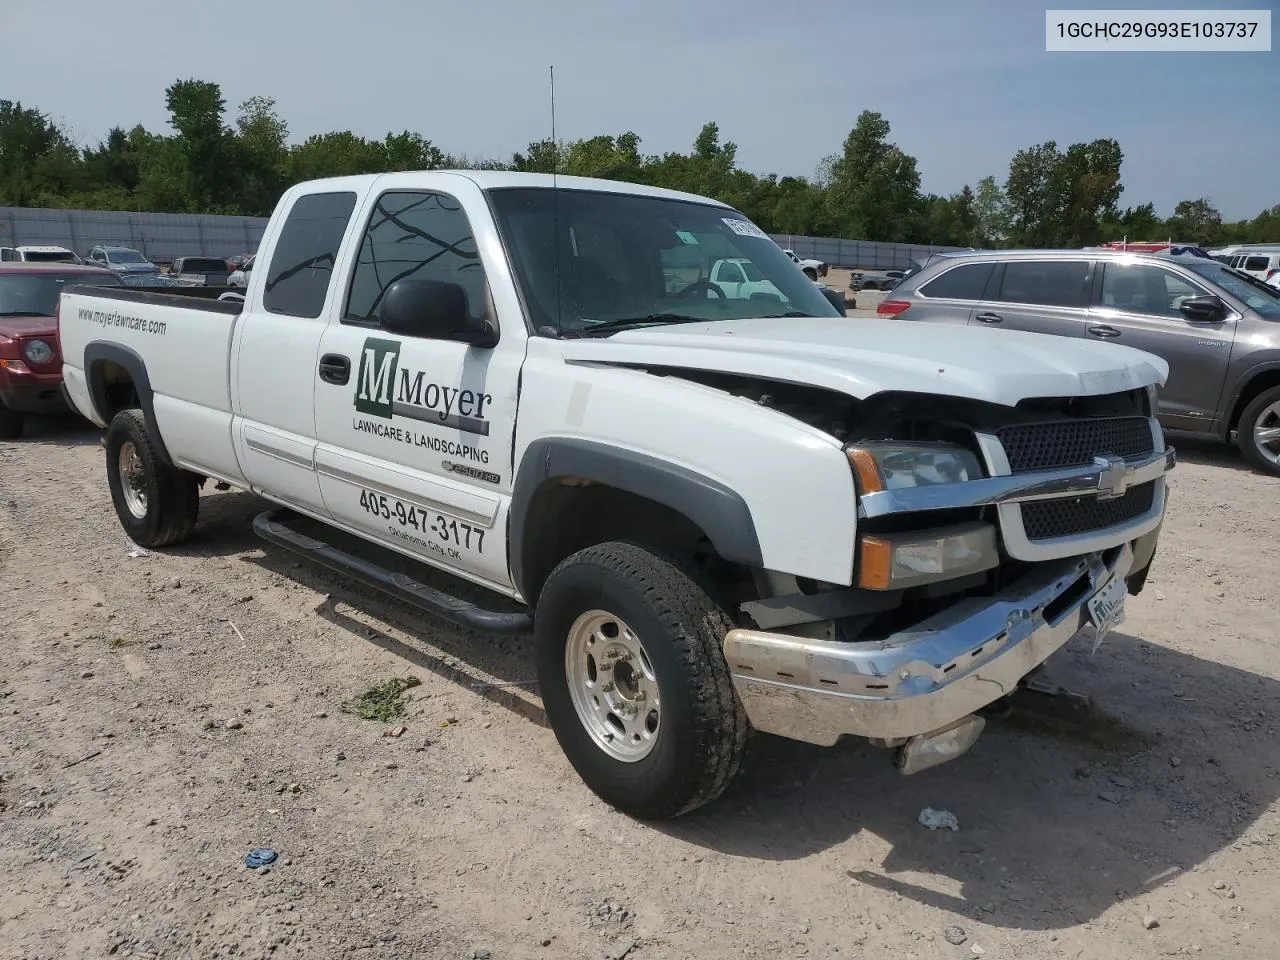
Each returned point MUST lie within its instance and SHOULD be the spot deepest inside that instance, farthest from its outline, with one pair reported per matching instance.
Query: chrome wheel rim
(613, 686)
(133, 480)
(1266, 433)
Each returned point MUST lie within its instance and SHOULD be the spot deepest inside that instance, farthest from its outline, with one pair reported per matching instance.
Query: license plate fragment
(1106, 609)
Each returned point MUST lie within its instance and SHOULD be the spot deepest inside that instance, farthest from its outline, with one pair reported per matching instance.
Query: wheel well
(1263, 381)
(568, 514)
(112, 388)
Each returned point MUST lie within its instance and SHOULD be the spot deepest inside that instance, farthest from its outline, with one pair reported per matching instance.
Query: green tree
(39, 165)
(196, 110)
(1196, 221)
(991, 226)
(874, 186)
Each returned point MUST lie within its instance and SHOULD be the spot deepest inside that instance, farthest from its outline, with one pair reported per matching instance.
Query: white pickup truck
(716, 513)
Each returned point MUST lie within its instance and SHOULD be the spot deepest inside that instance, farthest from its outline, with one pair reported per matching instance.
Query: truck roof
(500, 179)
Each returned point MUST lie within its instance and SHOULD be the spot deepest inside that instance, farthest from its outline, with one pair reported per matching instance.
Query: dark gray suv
(1217, 328)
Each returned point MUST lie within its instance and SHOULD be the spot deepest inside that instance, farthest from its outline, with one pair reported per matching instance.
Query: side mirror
(1206, 309)
(433, 309)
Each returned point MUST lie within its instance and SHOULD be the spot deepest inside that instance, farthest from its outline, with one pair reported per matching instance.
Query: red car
(30, 360)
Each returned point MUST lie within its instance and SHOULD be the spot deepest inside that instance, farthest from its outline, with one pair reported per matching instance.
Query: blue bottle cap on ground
(259, 857)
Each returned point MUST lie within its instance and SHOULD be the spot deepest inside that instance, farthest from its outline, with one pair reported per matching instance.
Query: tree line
(869, 190)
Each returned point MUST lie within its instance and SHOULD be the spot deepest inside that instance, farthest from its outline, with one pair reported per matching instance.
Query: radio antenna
(555, 198)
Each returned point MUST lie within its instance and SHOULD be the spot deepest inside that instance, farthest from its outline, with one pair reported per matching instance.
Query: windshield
(49, 256)
(31, 294)
(125, 256)
(1262, 299)
(586, 258)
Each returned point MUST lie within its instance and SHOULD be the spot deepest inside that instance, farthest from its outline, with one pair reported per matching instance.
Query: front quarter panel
(794, 479)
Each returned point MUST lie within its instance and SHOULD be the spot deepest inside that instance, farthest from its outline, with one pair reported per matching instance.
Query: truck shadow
(1057, 823)
(1059, 820)
(67, 430)
(500, 669)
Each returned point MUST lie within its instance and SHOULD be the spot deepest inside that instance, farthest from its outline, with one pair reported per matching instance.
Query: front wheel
(157, 504)
(634, 681)
(1259, 431)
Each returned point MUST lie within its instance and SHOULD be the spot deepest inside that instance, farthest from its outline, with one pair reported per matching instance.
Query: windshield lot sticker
(385, 389)
(744, 228)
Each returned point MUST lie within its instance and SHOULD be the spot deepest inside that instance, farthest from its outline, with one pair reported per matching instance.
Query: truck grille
(1048, 519)
(1072, 443)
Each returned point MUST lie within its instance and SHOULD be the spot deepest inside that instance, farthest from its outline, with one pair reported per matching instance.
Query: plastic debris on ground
(259, 857)
(938, 819)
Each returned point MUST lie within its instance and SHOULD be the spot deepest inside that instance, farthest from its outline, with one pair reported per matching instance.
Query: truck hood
(864, 357)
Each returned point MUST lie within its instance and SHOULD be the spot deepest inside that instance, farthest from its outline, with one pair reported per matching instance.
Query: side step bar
(398, 585)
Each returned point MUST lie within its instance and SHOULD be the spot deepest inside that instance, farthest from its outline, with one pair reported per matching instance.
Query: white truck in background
(813, 269)
(717, 512)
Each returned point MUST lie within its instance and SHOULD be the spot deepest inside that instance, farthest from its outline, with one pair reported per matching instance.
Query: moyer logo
(384, 389)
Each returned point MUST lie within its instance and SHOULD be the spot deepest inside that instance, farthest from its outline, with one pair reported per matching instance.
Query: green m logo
(376, 377)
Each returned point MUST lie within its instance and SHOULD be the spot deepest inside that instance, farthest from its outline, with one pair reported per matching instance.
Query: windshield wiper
(23, 313)
(789, 315)
(623, 323)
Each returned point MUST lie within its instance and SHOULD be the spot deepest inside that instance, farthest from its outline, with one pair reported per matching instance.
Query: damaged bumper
(924, 680)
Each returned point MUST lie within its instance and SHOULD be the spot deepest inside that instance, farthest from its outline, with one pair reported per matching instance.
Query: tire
(1262, 413)
(11, 422)
(811, 273)
(157, 505)
(687, 743)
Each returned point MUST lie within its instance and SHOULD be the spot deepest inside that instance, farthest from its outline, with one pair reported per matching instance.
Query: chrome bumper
(923, 679)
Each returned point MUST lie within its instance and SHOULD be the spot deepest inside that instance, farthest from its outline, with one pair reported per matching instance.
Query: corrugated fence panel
(160, 236)
(867, 254)
(163, 236)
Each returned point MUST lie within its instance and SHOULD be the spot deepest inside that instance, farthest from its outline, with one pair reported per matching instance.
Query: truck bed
(175, 345)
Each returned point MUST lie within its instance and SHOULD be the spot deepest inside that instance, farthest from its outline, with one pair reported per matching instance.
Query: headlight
(38, 352)
(894, 466)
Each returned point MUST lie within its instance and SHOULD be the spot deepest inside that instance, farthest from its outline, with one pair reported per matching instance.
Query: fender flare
(717, 510)
(97, 353)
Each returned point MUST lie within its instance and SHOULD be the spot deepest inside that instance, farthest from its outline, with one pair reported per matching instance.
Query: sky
(964, 85)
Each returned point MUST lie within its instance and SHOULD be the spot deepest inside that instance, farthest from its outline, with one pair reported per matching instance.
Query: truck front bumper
(924, 679)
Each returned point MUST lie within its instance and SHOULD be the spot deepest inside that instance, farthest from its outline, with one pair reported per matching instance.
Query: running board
(398, 585)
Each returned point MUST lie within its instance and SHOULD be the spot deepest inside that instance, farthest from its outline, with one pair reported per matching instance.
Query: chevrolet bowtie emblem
(1113, 477)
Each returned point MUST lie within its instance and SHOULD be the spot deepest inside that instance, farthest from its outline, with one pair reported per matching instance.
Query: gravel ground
(163, 714)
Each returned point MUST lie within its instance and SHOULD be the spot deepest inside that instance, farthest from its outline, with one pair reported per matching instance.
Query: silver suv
(1217, 328)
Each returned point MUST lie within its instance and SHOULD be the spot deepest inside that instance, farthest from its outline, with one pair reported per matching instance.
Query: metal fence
(864, 254)
(164, 236)
(159, 236)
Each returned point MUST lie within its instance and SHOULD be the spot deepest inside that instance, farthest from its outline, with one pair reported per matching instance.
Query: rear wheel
(11, 422)
(1259, 431)
(811, 273)
(157, 504)
(634, 681)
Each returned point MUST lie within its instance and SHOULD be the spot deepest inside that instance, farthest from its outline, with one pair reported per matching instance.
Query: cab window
(419, 234)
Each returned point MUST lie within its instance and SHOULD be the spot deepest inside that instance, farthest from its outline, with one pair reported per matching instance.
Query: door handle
(989, 318)
(335, 368)
(1104, 332)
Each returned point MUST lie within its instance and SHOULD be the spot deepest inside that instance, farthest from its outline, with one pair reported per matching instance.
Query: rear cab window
(301, 267)
(965, 282)
(1045, 283)
(1256, 263)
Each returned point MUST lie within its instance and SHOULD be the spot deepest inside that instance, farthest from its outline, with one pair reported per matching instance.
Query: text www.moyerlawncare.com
(105, 318)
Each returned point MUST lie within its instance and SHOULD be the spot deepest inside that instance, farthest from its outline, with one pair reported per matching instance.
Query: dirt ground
(162, 715)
